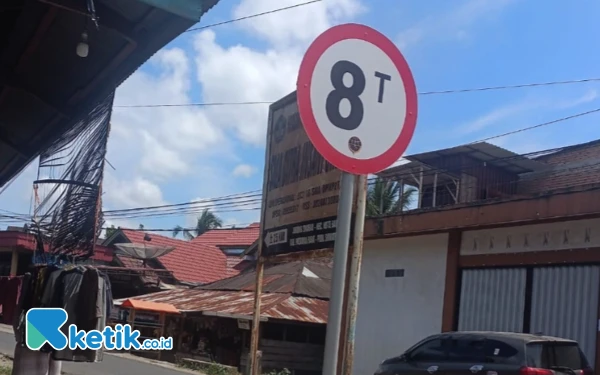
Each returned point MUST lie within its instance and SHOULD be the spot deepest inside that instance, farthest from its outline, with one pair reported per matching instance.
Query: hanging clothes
(19, 316)
(9, 295)
(82, 291)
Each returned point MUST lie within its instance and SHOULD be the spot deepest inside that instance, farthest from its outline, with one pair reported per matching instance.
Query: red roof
(230, 237)
(200, 260)
(137, 304)
(26, 241)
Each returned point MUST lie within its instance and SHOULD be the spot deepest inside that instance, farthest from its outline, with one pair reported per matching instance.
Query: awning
(150, 306)
(190, 9)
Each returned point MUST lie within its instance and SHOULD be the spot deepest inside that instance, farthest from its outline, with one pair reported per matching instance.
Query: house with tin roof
(212, 256)
(215, 319)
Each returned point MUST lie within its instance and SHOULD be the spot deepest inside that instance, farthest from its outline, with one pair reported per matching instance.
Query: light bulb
(82, 47)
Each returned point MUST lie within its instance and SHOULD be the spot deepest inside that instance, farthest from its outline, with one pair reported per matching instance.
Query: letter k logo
(43, 326)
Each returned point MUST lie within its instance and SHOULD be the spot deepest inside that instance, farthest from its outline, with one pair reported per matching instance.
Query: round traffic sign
(357, 99)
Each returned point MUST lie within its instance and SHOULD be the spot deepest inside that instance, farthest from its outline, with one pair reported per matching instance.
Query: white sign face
(357, 99)
(357, 92)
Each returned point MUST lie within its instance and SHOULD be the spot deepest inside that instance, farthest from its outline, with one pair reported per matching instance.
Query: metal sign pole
(255, 338)
(338, 278)
(354, 280)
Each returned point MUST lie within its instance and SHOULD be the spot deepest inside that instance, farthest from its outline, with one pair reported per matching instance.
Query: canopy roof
(160, 307)
(45, 86)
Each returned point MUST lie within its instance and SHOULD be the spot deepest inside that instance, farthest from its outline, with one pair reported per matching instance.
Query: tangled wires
(69, 185)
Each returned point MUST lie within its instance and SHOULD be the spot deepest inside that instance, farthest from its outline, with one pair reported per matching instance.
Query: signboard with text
(301, 189)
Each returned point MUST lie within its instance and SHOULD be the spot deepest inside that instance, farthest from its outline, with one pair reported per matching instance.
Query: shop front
(153, 320)
(541, 278)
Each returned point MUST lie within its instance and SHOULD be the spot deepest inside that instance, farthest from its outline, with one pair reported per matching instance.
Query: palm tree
(205, 222)
(384, 198)
(110, 230)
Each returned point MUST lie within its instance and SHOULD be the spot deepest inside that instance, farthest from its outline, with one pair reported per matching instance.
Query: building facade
(515, 246)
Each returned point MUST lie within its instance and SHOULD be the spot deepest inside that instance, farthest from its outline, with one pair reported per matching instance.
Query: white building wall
(396, 312)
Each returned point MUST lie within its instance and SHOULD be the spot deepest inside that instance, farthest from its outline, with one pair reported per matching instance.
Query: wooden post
(131, 320)
(435, 176)
(255, 339)
(14, 262)
(420, 187)
(258, 364)
(402, 194)
(180, 333)
(162, 318)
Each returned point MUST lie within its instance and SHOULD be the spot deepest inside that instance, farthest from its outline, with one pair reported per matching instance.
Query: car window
(465, 349)
(552, 354)
(497, 351)
(430, 351)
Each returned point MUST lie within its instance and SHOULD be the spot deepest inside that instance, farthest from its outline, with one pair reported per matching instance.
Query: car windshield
(555, 355)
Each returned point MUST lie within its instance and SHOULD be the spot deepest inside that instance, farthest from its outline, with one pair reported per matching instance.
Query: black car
(489, 353)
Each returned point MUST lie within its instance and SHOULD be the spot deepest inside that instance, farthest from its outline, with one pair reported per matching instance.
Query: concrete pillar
(14, 262)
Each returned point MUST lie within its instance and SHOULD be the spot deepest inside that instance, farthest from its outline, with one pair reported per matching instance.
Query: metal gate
(565, 304)
(492, 300)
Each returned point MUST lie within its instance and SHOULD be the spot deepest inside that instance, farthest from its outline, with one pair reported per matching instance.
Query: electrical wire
(454, 91)
(256, 203)
(238, 206)
(439, 195)
(252, 16)
(252, 200)
(258, 194)
(541, 125)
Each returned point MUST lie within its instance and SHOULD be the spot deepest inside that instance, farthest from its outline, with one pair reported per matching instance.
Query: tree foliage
(385, 198)
(205, 222)
(109, 231)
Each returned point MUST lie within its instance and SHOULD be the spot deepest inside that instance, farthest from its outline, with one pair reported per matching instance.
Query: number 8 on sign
(357, 99)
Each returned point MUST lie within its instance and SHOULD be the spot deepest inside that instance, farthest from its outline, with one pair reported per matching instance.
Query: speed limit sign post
(357, 100)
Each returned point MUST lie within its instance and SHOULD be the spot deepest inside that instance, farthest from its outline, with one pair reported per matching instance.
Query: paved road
(111, 365)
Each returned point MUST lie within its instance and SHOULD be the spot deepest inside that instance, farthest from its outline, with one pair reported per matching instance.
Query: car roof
(514, 336)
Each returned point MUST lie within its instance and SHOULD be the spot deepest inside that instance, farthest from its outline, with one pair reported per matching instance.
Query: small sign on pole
(357, 100)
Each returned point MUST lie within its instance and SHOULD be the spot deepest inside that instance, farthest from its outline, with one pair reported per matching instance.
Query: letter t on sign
(382, 78)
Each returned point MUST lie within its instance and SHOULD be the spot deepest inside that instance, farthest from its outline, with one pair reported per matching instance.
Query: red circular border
(307, 67)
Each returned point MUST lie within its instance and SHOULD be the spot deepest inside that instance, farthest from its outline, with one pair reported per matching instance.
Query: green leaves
(205, 222)
(385, 198)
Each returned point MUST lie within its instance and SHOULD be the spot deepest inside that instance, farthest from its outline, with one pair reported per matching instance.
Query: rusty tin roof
(239, 304)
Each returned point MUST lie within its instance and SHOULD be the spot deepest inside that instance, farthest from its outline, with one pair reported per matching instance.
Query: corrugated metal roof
(239, 303)
(485, 152)
(309, 278)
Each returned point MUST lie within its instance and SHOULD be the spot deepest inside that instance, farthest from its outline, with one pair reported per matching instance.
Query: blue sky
(171, 155)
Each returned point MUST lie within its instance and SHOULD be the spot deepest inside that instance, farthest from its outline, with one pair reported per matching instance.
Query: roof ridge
(155, 234)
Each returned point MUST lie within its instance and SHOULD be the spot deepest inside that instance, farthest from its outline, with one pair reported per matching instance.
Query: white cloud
(453, 24)
(590, 96)
(161, 161)
(137, 192)
(244, 170)
(496, 115)
(167, 139)
(263, 76)
(503, 113)
(242, 74)
(298, 26)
